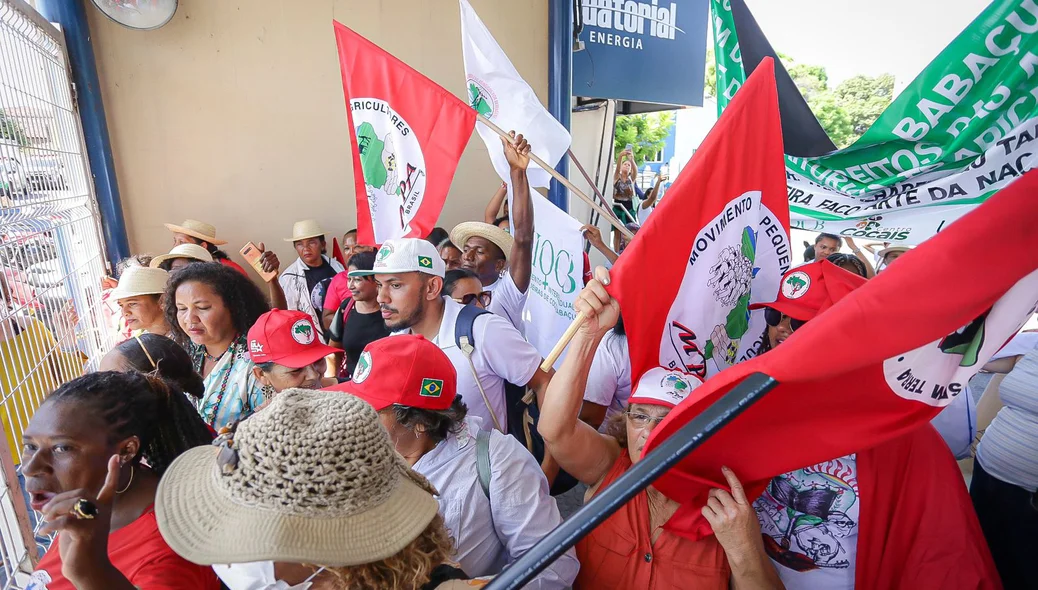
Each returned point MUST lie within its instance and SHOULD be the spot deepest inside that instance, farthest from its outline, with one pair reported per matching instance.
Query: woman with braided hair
(92, 457)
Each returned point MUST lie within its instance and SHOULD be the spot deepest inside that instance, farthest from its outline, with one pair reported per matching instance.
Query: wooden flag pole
(565, 182)
(563, 342)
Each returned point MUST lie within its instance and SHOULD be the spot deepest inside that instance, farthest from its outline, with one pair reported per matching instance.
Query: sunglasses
(774, 318)
(483, 299)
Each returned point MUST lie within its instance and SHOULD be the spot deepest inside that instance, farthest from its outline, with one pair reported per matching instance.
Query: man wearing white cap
(502, 261)
(203, 234)
(409, 274)
(312, 267)
(139, 296)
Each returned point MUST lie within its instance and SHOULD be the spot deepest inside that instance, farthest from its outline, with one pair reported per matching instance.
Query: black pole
(637, 478)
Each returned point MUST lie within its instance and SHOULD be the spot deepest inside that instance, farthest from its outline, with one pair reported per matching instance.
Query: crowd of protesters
(350, 425)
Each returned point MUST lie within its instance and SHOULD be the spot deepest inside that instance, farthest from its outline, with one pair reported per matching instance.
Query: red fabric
(833, 396)
(810, 289)
(288, 338)
(916, 526)
(139, 552)
(613, 554)
(405, 370)
(441, 122)
(588, 275)
(742, 153)
(234, 265)
(337, 252)
(338, 291)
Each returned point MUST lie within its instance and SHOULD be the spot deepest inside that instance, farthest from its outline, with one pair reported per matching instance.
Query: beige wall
(233, 113)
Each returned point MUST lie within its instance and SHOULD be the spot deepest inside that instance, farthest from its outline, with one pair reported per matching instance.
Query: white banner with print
(556, 277)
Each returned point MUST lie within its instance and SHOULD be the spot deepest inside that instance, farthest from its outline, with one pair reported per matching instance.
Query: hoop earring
(129, 483)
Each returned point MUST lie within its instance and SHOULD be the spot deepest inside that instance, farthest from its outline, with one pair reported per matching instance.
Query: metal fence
(52, 318)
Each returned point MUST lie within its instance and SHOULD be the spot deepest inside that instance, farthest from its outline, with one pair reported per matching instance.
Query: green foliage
(10, 129)
(845, 112)
(646, 133)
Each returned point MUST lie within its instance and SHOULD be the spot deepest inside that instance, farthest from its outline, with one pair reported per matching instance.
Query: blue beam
(71, 15)
(560, 87)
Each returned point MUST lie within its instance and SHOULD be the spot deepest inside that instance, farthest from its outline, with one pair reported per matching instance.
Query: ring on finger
(84, 509)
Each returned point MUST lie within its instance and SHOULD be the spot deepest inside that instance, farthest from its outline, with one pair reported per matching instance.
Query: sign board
(651, 51)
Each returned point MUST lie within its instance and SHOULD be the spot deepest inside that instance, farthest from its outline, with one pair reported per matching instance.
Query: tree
(864, 98)
(10, 129)
(646, 133)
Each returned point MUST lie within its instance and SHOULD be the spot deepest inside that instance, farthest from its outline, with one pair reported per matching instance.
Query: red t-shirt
(338, 291)
(234, 265)
(141, 554)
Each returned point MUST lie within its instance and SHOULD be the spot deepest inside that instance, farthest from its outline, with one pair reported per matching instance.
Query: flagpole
(638, 477)
(591, 183)
(565, 181)
(563, 342)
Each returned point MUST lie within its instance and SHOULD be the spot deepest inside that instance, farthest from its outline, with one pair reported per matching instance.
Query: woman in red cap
(631, 549)
(287, 352)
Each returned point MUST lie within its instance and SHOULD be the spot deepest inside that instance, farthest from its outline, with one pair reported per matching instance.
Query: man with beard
(409, 275)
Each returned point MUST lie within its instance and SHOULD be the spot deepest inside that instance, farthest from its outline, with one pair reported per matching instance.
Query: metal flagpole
(637, 478)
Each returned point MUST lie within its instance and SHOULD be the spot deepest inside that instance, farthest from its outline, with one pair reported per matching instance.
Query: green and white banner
(962, 130)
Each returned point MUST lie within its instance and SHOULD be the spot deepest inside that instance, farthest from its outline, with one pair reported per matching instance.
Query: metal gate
(52, 323)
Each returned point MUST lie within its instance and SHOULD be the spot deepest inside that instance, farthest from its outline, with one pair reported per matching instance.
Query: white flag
(497, 92)
(556, 278)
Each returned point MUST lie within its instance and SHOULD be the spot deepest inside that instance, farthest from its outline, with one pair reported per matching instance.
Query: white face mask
(256, 576)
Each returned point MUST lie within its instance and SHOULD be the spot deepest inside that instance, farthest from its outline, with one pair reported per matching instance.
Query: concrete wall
(233, 113)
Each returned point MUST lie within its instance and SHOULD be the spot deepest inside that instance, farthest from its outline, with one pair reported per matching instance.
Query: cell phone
(252, 255)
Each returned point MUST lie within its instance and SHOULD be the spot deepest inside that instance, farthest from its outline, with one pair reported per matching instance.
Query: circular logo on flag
(303, 332)
(482, 97)
(360, 374)
(392, 163)
(796, 284)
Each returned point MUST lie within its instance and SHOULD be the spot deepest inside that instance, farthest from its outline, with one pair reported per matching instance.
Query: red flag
(716, 244)
(337, 252)
(876, 366)
(408, 134)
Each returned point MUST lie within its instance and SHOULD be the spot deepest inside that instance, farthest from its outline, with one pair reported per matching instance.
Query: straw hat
(192, 251)
(463, 231)
(140, 280)
(891, 249)
(313, 478)
(308, 228)
(196, 229)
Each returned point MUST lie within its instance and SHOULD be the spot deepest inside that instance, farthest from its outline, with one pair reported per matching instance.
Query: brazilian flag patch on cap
(424, 262)
(432, 387)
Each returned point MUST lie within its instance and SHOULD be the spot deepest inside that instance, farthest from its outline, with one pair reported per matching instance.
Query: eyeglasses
(639, 420)
(483, 299)
(775, 317)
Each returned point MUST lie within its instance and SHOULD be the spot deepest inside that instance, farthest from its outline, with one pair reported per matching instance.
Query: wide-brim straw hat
(192, 251)
(196, 229)
(302, 230)
(890, 249)
(140, 280)
(493, 234)
(314, 479)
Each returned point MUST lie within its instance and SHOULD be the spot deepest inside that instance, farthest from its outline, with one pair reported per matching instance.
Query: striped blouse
(1009, 448)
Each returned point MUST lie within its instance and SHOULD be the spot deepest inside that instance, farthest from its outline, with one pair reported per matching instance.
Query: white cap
(664, 387)
(405, 255)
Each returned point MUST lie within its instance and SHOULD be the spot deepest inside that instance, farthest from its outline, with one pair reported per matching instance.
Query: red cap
(407, 370)
(808, 290)
(287, 338)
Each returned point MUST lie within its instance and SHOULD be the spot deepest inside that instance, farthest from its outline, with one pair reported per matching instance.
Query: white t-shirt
(507, 301)
(809, 519)
(643, 214)
(501, 355)
(492, 533)
(609, 382)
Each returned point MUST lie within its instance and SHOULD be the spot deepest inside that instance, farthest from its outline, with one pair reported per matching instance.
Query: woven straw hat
(196, 229)
(308, 228)
(192, 251)
(140, 280)
(314, 479)
(463, 231)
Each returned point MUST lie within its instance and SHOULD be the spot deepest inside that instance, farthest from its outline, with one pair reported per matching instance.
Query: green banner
(958, 133)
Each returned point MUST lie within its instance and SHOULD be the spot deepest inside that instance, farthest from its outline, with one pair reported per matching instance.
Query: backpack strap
(464, 337)
(483, 460)
(337, 328)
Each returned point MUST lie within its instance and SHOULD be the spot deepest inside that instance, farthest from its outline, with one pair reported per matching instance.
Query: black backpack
(520, 404)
